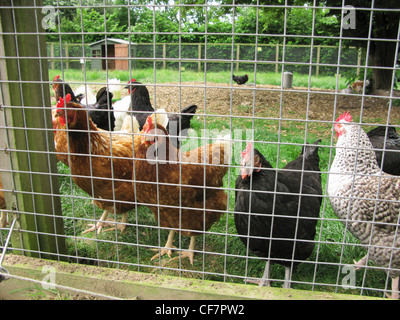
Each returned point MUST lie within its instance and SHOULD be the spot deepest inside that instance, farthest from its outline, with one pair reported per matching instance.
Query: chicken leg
(395, 289)
(167, 248)
(288, 275)
(3, 219)
(188, 253)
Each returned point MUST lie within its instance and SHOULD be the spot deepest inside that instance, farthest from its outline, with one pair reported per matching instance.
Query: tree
(383, 31)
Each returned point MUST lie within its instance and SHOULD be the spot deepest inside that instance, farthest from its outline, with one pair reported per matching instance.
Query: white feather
(130, 124)
(120, 107)
(115, 86)
(90, 95)
(162, 117)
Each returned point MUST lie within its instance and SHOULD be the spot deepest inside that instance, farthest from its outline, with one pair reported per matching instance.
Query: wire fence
(269, 57)
(227, 216)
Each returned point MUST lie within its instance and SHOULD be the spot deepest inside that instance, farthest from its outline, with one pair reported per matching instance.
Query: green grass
(167, 75)
(225, 258)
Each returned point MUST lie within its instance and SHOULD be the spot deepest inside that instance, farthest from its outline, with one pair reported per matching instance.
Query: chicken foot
(265, 280)
(99, 225)
(119, 226)
(188, 253)
(395, 282)
(167, 248)
(360, 263)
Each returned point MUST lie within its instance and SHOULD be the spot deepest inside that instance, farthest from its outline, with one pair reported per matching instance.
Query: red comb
(56, 77)
(346, 116)
(249, 146)
(149, 122)
(60, 103)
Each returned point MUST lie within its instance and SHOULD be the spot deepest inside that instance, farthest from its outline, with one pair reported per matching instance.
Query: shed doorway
(109, 53)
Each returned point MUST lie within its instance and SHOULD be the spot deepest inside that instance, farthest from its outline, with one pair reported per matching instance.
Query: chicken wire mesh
(184, 54)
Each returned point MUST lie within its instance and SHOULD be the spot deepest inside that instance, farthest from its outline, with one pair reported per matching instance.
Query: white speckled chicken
(365, 198)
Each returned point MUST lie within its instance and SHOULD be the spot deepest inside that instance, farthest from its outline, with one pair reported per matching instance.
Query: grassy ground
(225, 257)
(162, 76)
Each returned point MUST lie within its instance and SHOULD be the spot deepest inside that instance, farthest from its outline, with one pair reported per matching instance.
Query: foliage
(192, 24)
(86, 25)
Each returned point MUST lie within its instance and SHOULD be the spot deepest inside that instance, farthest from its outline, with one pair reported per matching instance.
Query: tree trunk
(382, 54)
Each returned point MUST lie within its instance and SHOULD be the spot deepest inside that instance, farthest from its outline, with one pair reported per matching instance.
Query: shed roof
(120, 41)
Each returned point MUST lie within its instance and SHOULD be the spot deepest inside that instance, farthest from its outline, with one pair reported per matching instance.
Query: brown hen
(100, 161)
(186, 196)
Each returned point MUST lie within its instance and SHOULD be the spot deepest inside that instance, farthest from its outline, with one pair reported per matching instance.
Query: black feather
(391, 160)
(102, 112)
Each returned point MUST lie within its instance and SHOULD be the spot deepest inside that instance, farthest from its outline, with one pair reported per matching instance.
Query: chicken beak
(339, 129)
(148, 141)
(245, 173)
(246, 169)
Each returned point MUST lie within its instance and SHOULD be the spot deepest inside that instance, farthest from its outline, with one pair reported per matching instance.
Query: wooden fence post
(164, 55)
(27, 115)
(67, 56)
(237, 57)
(199, 57)
(318, 58)
(277, 58)
(359, 61)
(52, 56)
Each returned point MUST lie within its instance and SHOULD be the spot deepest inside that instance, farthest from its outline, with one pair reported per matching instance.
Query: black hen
(61, 89)
(268, 206)
(142, 108)
(240, 79)
(391, 160)
(102, 112)
(140, 102)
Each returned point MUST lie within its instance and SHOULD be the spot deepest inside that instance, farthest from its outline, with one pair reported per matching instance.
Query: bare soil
(270, 101)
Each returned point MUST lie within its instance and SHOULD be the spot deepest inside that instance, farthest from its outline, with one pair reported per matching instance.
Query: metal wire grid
(119, 243)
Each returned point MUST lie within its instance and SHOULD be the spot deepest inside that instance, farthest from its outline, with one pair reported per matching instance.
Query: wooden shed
(111, 50)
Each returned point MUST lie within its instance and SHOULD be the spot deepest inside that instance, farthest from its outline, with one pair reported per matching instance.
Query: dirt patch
(270, 101)
(319, 104)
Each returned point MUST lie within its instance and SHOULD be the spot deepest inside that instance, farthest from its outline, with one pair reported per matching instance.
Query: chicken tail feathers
(310, 150)
(183, 119)
(191, 109)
